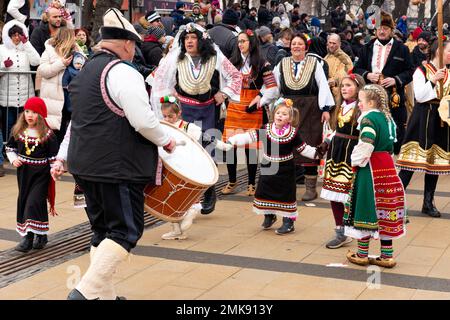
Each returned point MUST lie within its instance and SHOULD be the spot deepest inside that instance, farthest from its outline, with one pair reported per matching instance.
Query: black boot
(26, 244)
(77, 295)
(428, 206)
(269, 220)
(209, 200)
(40, 241)
(287, 227)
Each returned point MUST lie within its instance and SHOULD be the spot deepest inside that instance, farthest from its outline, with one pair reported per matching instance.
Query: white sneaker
(175, 234)
(189, 217)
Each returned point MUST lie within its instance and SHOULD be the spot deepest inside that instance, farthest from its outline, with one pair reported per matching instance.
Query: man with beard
(387, 62)
(420, 52)
(48, 28)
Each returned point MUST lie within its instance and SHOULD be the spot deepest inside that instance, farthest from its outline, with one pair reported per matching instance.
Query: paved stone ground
(229, 256)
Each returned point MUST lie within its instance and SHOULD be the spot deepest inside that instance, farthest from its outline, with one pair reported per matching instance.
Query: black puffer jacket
(152, 51)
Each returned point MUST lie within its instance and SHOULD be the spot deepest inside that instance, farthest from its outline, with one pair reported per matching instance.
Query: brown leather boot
(310, 184)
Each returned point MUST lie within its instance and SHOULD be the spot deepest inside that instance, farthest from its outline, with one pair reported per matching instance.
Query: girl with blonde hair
(377, 201)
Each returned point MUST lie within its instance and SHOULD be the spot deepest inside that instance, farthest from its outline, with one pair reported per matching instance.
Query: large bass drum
(186, 174)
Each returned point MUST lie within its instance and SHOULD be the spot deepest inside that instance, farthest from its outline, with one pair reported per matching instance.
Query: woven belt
(346, 136)
(193, 102)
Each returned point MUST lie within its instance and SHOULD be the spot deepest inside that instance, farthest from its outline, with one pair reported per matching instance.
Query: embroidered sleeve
(367, 133)
(270, 90)
(268, 77)
(231, 78)
(303, 148)
(52, 148)
(11, 149)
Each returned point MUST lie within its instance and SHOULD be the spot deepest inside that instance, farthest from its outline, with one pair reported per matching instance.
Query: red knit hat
(416, 33)
(37, 105)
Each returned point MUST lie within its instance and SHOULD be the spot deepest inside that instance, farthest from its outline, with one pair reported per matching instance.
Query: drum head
(189, 161)
(444, 110)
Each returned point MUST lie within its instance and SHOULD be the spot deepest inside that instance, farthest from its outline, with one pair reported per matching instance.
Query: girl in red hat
(31, 149)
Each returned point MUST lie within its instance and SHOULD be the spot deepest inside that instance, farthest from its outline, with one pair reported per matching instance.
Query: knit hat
(315, 22)
(115, 26)
(37, 105)
(425, 35)
(152, 16)
(157, 32)
(263, 31)
(416, 33)
(196, 5)
(180, 4)
(230, 17)
(289, 7)
(276, 20)
(78, 58)
(386, 20)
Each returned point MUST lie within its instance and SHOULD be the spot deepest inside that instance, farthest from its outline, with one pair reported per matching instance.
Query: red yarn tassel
(51, 196)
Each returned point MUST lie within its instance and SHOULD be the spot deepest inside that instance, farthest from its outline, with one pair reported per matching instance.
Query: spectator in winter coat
(420, 52)
(225, 34)
(46, 29)
(16, 54)
(249, 22)
(264, 15)
(338, 18)
(152, 46)
(268, 50)
(402, 25)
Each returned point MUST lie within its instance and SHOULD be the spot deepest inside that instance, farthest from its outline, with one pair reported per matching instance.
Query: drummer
(112, 152)
(425, 147)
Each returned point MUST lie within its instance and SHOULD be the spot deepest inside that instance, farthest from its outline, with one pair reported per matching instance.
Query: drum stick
(180, 143)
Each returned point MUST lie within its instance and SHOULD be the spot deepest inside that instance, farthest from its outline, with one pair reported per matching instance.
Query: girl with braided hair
(376, 208)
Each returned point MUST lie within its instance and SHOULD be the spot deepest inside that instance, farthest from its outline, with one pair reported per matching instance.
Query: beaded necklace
(28, 151)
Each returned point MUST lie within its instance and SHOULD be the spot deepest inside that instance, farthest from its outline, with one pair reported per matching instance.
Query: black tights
(310, 171)
(252, 165)
(430, 180)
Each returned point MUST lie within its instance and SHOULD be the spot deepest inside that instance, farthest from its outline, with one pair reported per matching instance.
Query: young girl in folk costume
(377, 201)
(247, 114)
(425, 147)
(171, 112)
(31, 149)
(337, 180)
(276, 190)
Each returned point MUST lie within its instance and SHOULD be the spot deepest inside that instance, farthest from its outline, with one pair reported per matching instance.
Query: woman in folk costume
(31, 149)
(248, 114)
(426, 147)
(302, 79)
(337, 180)
(377, 201)
(276, 193)
(201, 77)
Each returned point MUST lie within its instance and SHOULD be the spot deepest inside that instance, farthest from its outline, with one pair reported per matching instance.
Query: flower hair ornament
(169, 99)
(192, 27)
(287, 102)
(249, 32)
(352, 76)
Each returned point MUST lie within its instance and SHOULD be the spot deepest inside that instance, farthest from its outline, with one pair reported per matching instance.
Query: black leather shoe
(40, 241)
(287, 227)
(269, 220)
(77, 295)
(428, 207)
(209, 201)
(26, 243)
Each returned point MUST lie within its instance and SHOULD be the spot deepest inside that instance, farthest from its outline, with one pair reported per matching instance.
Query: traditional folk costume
(306, 84)
(426, 148)
(276, 190)
(338, 175)
(36, 153)
(195, 84)
(113, 155)
(238, 120)
(377, 202)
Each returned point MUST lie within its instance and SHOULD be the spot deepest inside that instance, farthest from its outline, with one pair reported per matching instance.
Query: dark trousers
(430, 180)
(115, 211)
(252, 165)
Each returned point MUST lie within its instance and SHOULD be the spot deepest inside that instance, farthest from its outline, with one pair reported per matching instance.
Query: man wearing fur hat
(112, 152)
(387, 62)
